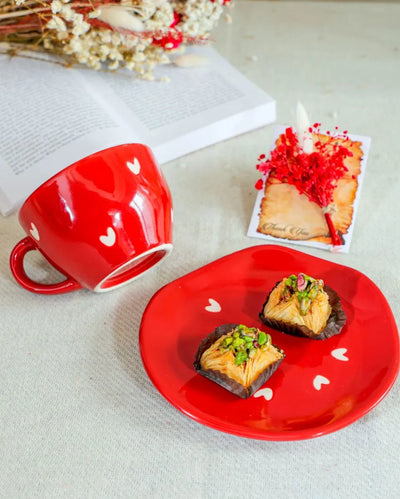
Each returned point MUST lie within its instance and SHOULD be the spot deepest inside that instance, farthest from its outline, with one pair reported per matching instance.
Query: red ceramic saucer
(320, 387)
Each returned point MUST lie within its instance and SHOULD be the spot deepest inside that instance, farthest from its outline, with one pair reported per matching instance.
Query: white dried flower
(94, 62)
(48, 44)
(77, 18)
(113, 65)
(75, 44)
(116, 39)
(148, 76)
(115, 54)
(130, 65)
(56, 6)
(139, 57)
(120, 17)
(104, 51)
(144, 10)
(81, 28)
(67, 12)
(62, 35)
(163, 59)
(82, 57)
(105, 36)
(57, 24)
(190, 60)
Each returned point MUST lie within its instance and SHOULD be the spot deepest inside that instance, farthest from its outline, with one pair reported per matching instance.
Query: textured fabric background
(79, 417)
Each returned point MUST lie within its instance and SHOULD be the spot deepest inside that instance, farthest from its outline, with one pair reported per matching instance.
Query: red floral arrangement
(315, 174)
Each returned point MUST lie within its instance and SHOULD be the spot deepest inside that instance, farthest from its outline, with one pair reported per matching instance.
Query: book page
(48, 120)
(197, 107)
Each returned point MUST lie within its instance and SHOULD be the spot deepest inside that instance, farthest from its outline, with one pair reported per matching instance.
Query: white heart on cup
(134, 166)
(34, 232)
(109, 238)
(320, 380)
(339, 354)
(267, 393)
(213, 306)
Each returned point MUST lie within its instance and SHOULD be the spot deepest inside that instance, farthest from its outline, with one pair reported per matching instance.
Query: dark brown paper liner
(221, 378)
(336, 321)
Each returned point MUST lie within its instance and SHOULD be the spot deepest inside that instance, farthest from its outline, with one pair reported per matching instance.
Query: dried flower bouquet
(135, 34)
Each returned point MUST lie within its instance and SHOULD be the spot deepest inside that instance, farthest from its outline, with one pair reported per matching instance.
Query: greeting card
(310, 186)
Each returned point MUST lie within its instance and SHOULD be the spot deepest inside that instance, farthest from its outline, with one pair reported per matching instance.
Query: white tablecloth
(79, 416)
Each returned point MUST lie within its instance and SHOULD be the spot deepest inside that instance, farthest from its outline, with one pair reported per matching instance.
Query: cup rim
(59, 173)
(165, 247)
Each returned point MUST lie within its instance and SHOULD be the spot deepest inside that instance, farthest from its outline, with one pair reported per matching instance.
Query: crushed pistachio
(304, 287)
(243, 341)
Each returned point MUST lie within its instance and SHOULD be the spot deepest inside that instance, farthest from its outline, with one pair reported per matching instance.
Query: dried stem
(22, 13)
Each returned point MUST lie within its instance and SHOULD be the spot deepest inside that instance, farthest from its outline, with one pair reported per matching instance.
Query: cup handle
(18, 271)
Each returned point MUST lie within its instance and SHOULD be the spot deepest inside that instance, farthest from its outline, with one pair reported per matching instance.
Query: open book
(51, 116)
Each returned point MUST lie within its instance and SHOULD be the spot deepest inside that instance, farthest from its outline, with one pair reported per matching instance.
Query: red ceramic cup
(101, 222)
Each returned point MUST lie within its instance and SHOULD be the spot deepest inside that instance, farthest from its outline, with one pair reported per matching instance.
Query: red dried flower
(316, 175)
(173, 38)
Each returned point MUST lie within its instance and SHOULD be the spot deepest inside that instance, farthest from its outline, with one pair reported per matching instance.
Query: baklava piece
(303, 306)
(239, 358)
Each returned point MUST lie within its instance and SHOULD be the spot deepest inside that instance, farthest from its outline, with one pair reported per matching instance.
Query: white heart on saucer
(320, 380)
(267, 393)
(213, 306)
(339, 354)
(109, 238)
(134, 167)
(34, 232)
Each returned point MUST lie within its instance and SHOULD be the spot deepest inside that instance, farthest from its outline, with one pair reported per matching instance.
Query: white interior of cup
(134, 268)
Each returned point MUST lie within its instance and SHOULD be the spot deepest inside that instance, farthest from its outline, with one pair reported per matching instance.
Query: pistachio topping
(243, 341)
(304, 287)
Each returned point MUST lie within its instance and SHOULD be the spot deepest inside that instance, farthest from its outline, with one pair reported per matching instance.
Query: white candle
(302, 129)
